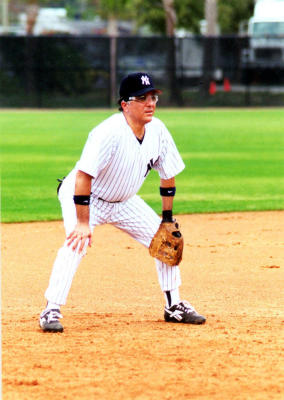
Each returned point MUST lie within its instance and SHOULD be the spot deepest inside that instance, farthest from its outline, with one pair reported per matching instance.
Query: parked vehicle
(265, 53)
(49, 21)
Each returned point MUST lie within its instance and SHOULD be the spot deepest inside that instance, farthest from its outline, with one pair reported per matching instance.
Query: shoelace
(186, 307)
(52, 316)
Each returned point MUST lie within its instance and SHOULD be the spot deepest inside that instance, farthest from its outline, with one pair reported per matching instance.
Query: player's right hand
(79, 237)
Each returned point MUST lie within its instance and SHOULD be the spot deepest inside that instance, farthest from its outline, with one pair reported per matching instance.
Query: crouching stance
(102, 188)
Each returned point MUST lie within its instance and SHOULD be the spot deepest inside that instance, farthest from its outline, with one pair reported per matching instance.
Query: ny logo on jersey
(149, 167)
(145, 80)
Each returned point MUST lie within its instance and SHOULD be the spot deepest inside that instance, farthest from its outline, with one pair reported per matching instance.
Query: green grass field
(234, 159)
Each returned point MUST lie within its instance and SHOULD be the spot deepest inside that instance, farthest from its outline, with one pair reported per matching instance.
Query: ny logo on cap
(145, 80)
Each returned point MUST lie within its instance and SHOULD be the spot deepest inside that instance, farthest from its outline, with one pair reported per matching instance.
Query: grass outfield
(234, 159)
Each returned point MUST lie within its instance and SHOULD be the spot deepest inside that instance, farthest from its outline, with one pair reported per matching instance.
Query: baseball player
(102, 188)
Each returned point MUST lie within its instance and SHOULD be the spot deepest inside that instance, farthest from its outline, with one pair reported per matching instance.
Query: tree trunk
(5, 15)
(112, 26)
(209, 45)
(112, 31)
(211, 17)
(32, 12)
(171, 17)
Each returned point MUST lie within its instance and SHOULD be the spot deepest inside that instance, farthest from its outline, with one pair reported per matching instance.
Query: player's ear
(124, 105)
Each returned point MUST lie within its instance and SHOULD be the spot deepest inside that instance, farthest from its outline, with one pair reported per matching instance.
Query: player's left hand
(82, 234)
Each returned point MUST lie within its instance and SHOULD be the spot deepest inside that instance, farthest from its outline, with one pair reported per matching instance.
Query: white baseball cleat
(183, 313)
(49, 320)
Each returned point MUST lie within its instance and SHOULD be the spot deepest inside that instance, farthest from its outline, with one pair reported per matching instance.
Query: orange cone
(212, 88)
(227, 85)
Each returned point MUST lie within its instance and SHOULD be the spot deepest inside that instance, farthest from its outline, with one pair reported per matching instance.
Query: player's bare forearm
(167, 201)
(82, 231)
(83, 184)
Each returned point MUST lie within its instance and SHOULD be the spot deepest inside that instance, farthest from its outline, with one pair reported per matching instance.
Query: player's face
(142, 108)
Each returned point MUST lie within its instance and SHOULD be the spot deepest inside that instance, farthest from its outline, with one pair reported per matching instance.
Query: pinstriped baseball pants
(133, 216)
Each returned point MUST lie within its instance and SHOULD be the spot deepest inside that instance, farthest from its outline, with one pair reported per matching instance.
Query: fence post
(113, 48)
(208, 63)
(29, 72)
(175, 92)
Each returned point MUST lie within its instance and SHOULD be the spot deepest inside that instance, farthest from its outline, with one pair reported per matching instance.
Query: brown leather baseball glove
(167, 244)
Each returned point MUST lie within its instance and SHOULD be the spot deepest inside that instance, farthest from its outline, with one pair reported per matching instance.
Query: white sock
(172, 297)
(52, 306)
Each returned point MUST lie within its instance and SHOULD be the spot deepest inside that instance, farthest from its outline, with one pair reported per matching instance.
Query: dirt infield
(115, 345)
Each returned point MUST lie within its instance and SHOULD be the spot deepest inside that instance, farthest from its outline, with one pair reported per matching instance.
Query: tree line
(160, 16)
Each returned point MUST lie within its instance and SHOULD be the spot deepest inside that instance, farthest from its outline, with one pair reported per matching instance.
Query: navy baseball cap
(136, 84)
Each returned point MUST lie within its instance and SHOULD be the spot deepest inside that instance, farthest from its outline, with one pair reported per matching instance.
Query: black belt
(106, 201)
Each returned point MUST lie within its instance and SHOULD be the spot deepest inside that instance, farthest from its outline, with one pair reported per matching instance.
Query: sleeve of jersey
(97, 152)
(169, 163)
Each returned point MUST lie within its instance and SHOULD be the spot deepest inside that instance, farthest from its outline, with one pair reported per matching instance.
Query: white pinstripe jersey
(119, 164)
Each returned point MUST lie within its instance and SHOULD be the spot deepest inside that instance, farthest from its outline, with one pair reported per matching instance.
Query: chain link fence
(85, 71)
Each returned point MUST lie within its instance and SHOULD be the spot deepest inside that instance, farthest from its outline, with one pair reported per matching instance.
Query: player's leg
(67, 261)
(65, 264)
(63, 271)
(141, 222)
(64, 268)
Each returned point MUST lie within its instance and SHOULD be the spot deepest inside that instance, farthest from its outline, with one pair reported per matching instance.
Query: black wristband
(168, 191)
(167, 216)
(82, 200)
